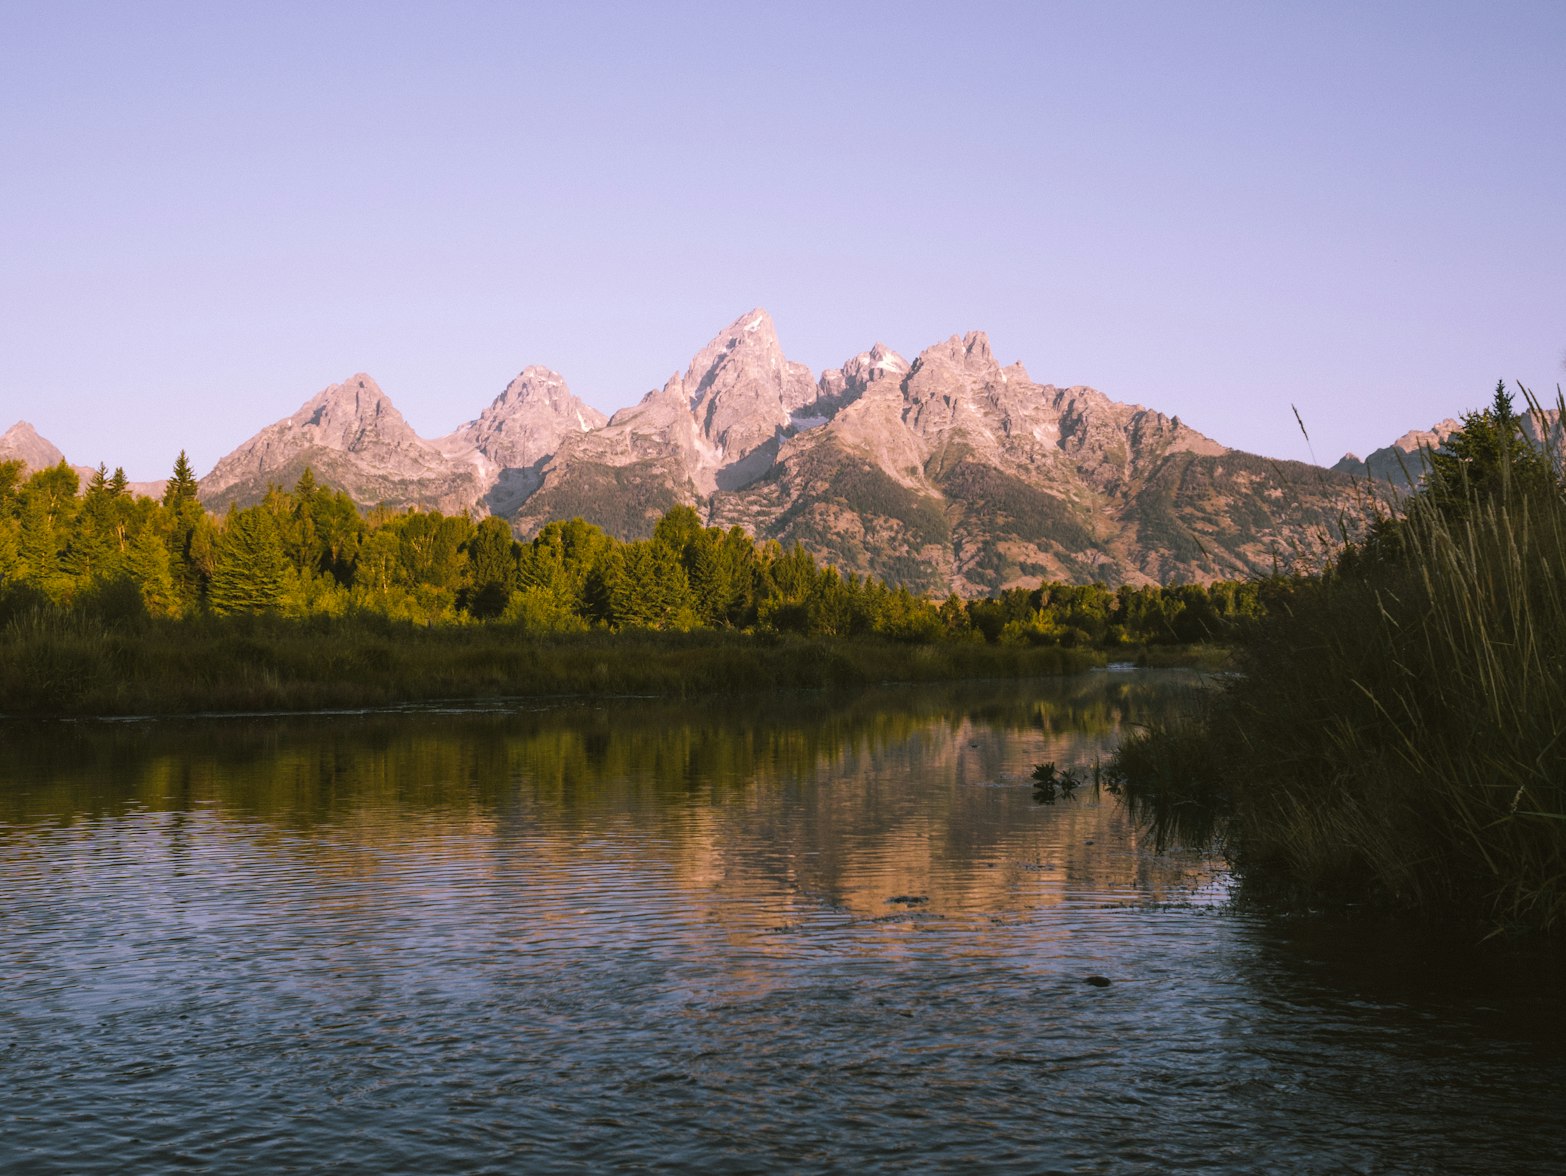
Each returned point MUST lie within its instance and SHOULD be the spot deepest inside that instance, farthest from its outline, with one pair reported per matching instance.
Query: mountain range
(949, 472)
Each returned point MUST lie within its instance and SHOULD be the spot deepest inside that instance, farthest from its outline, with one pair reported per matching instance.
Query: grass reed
(1395, 730)
(61, 663)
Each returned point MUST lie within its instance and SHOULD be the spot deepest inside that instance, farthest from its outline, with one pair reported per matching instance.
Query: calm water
(764, 935)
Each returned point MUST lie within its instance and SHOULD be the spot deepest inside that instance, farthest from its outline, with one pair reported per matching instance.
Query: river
(770, 933)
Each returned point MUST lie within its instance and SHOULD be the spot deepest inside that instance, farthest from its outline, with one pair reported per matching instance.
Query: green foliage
(164, 570)
(1392, 735)
(309, 552)
(181, 486)
(249, 572)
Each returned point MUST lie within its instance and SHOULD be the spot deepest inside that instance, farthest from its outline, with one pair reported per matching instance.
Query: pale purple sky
(213, 210)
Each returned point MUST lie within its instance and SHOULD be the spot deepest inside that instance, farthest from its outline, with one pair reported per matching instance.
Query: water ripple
(494, 943)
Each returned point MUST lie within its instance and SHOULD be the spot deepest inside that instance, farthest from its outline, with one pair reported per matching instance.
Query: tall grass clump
(1395, 731)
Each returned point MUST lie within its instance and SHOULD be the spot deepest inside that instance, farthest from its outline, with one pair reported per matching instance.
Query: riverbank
(60, 665)
(1392, 737)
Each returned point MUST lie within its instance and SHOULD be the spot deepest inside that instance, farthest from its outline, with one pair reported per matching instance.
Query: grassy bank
(1395, 735)
(59, 663)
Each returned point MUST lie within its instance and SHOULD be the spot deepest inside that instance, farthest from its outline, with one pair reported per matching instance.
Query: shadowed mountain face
(1402, 463)
(966, 475)
(951, 472)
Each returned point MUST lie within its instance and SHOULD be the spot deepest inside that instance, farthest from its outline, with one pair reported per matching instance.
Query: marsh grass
(1395, 731)
(59, 663)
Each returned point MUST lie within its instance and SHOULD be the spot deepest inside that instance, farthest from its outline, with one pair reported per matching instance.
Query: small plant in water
(1051, 783)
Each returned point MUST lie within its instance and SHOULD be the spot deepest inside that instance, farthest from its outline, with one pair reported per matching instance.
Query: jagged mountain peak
(545, 389)
(21, 431)
(743, 391)
(345, 411)
(527, 421)
(971, 351)
(532, 382)
(21, 442)
(878, 363)
(882, 355)
(751, 340)
(353, 437)
(1402, 462)
(947, 471)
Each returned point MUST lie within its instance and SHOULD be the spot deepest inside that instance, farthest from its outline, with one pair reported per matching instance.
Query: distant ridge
(949, 472)
(22, 443)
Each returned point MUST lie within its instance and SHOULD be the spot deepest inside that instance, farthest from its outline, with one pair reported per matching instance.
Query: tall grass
(58, 663)
(1395, 732)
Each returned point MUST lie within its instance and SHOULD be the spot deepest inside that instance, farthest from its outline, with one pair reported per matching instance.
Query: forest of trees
(309, 552)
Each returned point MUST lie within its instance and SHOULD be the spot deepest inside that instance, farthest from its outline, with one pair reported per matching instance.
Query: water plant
(1051, 783)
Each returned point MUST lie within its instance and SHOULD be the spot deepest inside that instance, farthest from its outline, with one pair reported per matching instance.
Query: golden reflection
(748, 819)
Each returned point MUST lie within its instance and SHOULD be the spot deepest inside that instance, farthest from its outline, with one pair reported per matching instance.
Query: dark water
(763, 935)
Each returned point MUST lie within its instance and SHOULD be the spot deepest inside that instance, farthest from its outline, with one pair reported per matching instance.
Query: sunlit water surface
(773, 934)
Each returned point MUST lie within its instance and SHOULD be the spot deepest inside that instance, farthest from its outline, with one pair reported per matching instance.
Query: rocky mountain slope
(353, 438)
(966, 475)
(524, 426)
(949, 472)
(21, 442)
(1402, 463)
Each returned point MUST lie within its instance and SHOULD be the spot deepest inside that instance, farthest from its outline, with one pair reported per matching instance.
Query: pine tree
(720, 569)
(649, 590)
(47, 504)
(10, 549)
(181, 488)
(492, 569)
(1486, 457)
(248, 575)
(148, 565)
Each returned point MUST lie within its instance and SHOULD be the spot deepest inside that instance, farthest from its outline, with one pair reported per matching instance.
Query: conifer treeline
(310, 552)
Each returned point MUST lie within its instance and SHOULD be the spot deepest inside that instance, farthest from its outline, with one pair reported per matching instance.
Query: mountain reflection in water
(769, 933)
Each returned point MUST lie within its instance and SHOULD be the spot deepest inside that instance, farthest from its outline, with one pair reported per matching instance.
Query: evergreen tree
(10, 485)
(248, 575)
(492, 569)
(649, 590)
(678, 530)
(10, 549)
(721, 569)
(1485, 458)
(375, 572)
(561, 560)
(149, 567)
(47, 508)
(181, 487)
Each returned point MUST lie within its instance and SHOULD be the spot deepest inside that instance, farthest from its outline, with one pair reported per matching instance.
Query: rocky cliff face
(1404, 462)
(967, 475)
(716, 428)
(518, 432)
(354, 439)
(950, 472)
(22, 443)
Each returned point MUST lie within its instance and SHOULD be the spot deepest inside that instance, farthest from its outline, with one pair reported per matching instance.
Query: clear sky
(211, 211)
